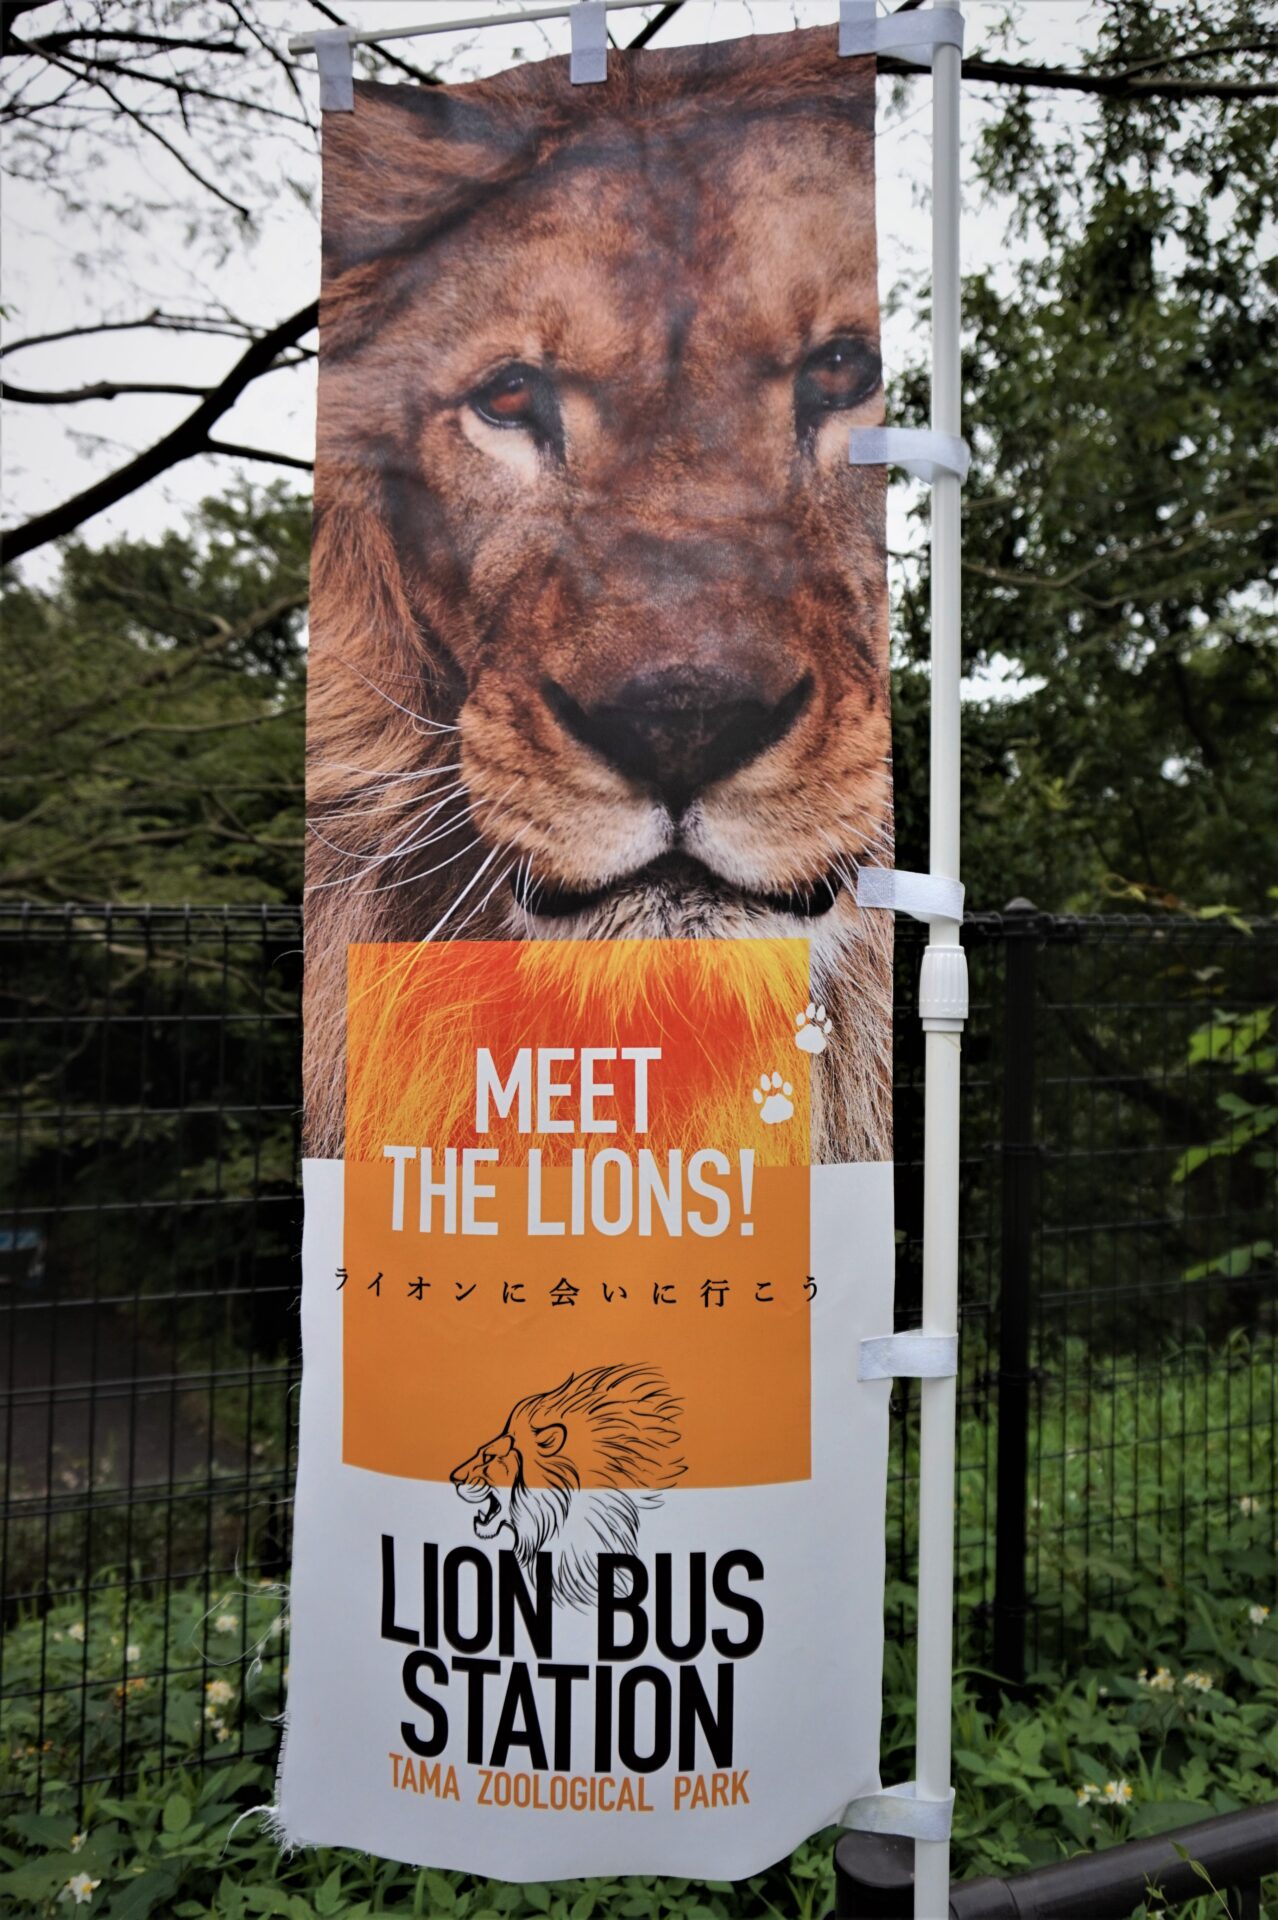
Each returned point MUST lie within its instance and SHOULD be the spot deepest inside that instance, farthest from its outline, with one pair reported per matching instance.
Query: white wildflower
(80, 1889)
(77, 1841)
(1117, 1793)
(1257, 1614)
(76, 1632)
(226, 1623)
(1160, 1681)
(223, 1733)
(1087, 1793)
(1197, 1682)
(219, 1692)
(1248, 1504)
(133, 1651)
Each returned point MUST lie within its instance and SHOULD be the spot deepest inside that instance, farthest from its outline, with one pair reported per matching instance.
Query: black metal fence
(1117, 1400)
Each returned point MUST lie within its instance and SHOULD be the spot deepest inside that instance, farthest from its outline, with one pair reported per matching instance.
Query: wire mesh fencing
(1117, 1404)
(148, 1290)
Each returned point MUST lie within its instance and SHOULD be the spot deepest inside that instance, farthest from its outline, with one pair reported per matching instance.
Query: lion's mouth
(488, 1518)
(673, 875)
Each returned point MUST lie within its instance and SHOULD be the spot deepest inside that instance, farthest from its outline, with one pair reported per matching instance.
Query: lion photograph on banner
(599, 640)
(597, 1040)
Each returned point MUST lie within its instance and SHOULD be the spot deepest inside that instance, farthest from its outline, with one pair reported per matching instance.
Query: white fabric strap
(899, 1810)
(589, 61)
(337, 81)
(924, 896)
(920, 450)
(862, 31)
(909, 1356)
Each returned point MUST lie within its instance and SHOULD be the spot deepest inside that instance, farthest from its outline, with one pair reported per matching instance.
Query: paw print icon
(772, 1097)
(814, 1028)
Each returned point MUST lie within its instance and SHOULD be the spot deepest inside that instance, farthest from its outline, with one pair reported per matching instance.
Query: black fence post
(1015, 1289)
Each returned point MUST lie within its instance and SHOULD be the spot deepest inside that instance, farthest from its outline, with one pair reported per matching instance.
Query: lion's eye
(841, 374)
(522, 396)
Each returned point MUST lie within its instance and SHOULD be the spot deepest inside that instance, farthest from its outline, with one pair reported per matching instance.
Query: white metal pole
(377, 36)
(943, 965)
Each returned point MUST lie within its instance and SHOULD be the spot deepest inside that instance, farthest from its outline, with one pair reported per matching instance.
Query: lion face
(600, 624)
(573, 1469)
(494, 1471)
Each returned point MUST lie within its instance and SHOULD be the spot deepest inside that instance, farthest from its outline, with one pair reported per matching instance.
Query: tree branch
(67, 37)
(101, 390)
(166, 674)
(1212, 50)
(655, 25)
(156, 319)
(259, 453)
(205, 726)
(140, 120)
(1127, 85)
(189, 438)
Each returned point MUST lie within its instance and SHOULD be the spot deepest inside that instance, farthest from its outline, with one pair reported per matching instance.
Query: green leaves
(327, 1898)
(176, 1816)
(1119, 523)
(149, 1893)
(151, 738)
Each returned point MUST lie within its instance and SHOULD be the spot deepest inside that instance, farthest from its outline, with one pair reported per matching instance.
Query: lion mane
(573, 1469)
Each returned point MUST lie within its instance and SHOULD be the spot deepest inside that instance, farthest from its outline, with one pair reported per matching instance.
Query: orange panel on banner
(679, 1243)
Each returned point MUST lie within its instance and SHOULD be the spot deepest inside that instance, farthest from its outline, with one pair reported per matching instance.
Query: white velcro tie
(337, 82)
(861, 30)
(909, 1356)
(899, 1810)
(920, 450)
(589, 61)
(924, 896)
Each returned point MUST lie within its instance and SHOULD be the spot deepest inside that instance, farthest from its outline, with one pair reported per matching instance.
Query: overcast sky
(62, 270)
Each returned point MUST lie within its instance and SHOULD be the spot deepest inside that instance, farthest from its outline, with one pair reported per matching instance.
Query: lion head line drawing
(573, 1469)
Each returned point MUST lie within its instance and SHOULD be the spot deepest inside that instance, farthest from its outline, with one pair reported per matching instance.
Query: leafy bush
(1186, 1729)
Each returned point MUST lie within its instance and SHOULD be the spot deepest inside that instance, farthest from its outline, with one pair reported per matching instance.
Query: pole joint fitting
(943, 990)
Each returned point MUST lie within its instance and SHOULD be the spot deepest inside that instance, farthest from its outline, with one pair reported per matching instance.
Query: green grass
(198, 1679)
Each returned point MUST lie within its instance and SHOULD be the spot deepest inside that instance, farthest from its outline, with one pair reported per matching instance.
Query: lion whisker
(420, 719)
(503, 875)
(478, 874)
(414, 844)
(385, 778)
(405, 805)
(404, 846)
(369, 861)
(424, 873)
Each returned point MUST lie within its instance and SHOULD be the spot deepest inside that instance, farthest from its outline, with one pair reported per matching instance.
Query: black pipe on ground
(874, 1875)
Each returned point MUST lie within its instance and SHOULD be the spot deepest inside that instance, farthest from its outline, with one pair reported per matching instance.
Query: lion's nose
(681, 730)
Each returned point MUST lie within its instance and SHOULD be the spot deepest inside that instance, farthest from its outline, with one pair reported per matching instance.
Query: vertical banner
(589, 1538)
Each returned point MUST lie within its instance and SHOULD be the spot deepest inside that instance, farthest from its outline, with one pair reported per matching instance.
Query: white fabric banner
(720, 1797)
(589, 1528)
